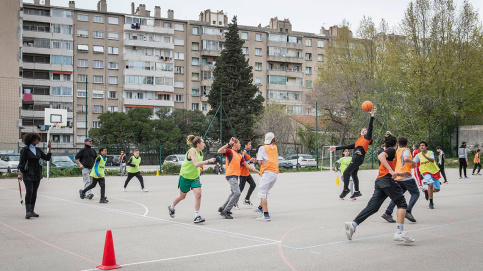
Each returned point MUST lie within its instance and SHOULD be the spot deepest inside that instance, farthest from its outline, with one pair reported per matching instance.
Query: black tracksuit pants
(247, 179)
(463, 166)
(352, 170)
(132, 175)
(102, 184)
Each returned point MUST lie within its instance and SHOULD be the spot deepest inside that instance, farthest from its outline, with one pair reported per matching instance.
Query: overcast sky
(305, 15)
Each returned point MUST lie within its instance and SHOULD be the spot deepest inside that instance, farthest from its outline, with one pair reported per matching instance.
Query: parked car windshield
(61, 159)
(307, 156)
(13, 157)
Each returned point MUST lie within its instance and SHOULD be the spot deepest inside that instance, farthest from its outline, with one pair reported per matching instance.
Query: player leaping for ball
(360, 149)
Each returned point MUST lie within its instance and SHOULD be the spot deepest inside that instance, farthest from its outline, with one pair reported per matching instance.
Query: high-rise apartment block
(93, 61)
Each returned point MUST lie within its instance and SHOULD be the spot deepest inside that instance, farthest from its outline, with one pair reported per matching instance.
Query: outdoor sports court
(306, 232)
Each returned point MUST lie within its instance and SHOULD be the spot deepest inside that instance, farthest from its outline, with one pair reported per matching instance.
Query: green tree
(240, 100)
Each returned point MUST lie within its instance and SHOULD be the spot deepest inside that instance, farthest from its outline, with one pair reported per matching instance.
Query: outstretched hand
(212, 160)
(372, 113)
(331, 149)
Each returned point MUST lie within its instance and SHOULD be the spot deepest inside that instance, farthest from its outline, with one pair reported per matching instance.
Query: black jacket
(86, 156)
(34, 172)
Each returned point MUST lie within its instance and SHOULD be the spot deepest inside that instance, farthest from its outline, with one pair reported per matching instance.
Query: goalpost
(54, 118)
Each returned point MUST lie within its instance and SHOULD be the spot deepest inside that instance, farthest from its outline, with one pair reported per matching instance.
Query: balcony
(285, 87)
(149, 73)
(210, 53)
(213, 37)
(49, 98)
(150, 29)
(145, 102)
(285, 72)
(36, 129)
(37, 114)
(285, 59)
(150, 44)
(145, 58)
(285, 44)
(137, 87)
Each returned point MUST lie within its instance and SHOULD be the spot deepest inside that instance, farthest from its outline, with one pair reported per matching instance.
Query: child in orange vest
(267, 157)
(477, 162)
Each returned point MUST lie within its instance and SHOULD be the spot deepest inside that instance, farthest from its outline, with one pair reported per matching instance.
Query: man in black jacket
(441, 159)
(85, 158)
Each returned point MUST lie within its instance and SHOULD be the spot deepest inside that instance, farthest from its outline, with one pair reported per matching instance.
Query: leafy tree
(240, 101)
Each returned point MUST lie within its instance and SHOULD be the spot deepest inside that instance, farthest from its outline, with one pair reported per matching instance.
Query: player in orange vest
(234, 162)
(477, 162)
(360, 150)
(267, 157)
(245, 176)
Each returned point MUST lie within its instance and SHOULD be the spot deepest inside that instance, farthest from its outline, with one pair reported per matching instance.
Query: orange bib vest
(243, 170)
(477, 158)
(233, 166)
(272, 163)
(364, 143)
(399, 167)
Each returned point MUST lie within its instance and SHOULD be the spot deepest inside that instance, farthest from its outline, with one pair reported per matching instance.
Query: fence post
(160, 161)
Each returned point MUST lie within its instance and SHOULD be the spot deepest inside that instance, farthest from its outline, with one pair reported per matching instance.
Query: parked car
(177, 159)
(284, 163)
(62, 161)
(12, 161)
(4, 167)
(113, 160)
(304, 160)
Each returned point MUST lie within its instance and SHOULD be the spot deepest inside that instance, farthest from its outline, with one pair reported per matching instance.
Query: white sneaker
(403, 236)
(236, 207)
(349, 230)
(263, 218)
(145, 190)
(124, 189)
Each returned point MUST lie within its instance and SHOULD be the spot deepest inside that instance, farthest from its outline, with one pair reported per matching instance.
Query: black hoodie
(86, 156)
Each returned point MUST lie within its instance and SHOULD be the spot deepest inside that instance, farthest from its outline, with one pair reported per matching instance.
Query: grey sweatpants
(87, 179)
(235, 193)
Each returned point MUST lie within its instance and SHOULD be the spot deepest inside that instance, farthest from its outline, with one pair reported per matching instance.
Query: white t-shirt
(416, 158)
(262, 155)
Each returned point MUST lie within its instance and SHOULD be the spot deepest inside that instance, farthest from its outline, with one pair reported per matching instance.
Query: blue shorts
(430, 180)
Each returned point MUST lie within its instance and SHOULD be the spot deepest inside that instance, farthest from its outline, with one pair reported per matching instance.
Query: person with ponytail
(189, 175)
(385, 186)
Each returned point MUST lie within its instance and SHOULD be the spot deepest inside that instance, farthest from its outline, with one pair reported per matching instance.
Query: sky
(305, 15)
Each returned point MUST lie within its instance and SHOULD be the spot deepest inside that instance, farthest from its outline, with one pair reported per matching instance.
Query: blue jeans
(412, 187)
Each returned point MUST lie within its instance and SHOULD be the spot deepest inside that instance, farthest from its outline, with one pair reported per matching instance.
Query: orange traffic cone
(337, 180)
(109, 257)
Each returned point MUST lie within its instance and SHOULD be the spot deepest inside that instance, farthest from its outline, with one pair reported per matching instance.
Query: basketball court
(306, 231)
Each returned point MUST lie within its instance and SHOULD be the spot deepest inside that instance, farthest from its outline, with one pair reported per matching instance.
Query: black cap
(87, 140)
(464, 142)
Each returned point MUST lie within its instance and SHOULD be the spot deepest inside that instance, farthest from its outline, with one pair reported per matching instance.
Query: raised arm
(223, 148)
(368, 136)
(194, 159)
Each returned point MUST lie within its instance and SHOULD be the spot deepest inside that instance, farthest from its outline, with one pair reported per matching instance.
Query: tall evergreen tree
(233, 74)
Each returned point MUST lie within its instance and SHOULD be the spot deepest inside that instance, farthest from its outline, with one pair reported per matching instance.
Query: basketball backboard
(53, 116)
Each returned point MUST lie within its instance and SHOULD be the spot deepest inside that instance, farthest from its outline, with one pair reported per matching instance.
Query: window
(178, 27)
(113, 95)
(178, 98)
(258, 37)
(204, 61)
(97, 94)
(82, 47)
(195, 92)
(294, 109)
(113, 20)
(258, 51)
(320, 58)
(195, 76)
(62, 60)
(113, 108)
(320, 43)
(195, 46)
(308, 56)
(195, 107)
(308, 42)
(38, 12)
(61, 91)
(98, 19)
(308, 84)
(258, 80)
(245, 50)
(98, 109)
(308, 70)
(98, 64)
(81, 77)
(258, 66)
(113, 66)
(82, 33)
(204, 107)
(167, 25)
(61, 13)
(308, 111)
(277, 37)
(207, 75)
(61, 28)
(113, 36)
(98, 49)
(195, 61)
(81, 124)
(277, 80)
(83, 17)
(178, 84)
(195, 31)
(113, 80)
(98, 79)
(206, 90)
(179, 42)
(113, 50)
(179, 69)
(244, 35)
(179, 56)
(96, 124)
(98, 34)
(81, 93)
(82, 63)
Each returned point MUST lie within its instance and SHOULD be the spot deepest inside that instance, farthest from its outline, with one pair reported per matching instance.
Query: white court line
(199, 227)
(193, 255)
(144, 206)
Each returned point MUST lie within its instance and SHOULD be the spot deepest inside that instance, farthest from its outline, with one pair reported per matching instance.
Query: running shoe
(199, 219)
(258, 210)
(145, 190)
(221, 210)
(461, 177)
(171, 211)
(349, 230)
(90, 196)
(263, 218)
(431, 206)
(356, 194)
(344, 193)
(426, 195)
(104, 200)
(410, 217)
(236, 206)
(403, 236)
(82, 195)
(445, 182)
(124, 189)
(388, 218)
(247, 202)
(467, 177)
(226, 215)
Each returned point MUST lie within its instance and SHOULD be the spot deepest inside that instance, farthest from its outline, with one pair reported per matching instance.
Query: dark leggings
(462, 166)
(351, 171)
(131, 175)
(247, 179)
(441, 169)
(31, 188)
(102, 184)
(477, 165)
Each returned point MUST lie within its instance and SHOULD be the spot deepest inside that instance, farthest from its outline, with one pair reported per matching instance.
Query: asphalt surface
(306, 232)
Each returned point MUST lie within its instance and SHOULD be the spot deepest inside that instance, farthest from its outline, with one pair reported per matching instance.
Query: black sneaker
(426, 195)
(388, 218)
(221, 210)
(226, 215)
(410, 217)
(199, 219)
(104, 200)
(82, 195)
(90, 196)
(431, 206)
(356, 194)
(171, 212)
(344, 193)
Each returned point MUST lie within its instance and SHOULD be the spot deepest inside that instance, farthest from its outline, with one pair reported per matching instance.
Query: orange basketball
(367, 106)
